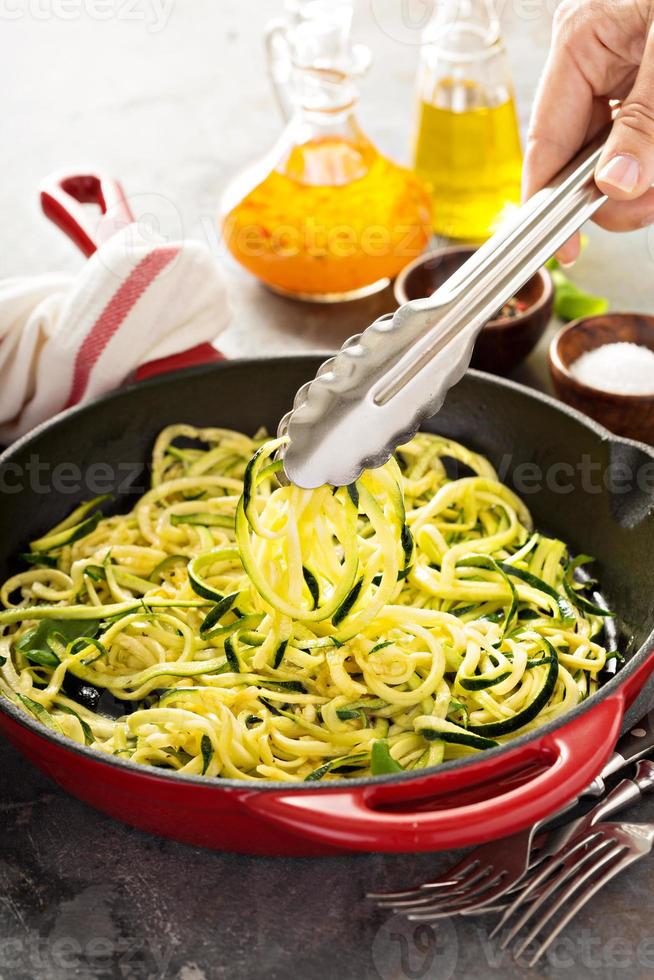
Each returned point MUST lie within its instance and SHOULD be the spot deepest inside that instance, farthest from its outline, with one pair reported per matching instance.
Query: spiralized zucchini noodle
(230, 626)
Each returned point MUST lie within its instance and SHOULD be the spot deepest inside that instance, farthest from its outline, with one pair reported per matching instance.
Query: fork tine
(418, 890)
(509, 861)
(501, 878)
(603, 858)
(585, 896)
(557, 871)
(546, 870)
(479, 902)
(507, 881)
(450, 879)
(486, 891)
(425, 897)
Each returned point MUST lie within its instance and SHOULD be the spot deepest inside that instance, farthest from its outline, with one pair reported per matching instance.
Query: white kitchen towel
(65, 340)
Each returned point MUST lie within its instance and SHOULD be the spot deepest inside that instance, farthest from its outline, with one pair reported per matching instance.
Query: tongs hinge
(374, 393)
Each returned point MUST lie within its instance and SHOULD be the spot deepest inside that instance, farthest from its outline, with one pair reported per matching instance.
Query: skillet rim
(312, 360)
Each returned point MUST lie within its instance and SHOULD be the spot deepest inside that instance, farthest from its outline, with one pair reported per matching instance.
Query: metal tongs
(374, 393)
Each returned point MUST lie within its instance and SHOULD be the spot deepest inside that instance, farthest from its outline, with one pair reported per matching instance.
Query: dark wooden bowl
(504, 342)
(626, 415)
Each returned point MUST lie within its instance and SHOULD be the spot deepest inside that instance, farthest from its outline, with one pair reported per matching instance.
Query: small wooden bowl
(504, 342)
(626, 415)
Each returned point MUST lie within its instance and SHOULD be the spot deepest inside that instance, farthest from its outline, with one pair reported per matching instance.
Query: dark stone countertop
(84, 897)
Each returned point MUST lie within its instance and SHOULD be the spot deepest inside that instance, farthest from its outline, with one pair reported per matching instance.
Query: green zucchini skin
(353, 492)
(343, 762)
(522, 718)
(581, 602)
(39, 558)
(312, 585)
(199, 586)
(207, 520)
(206, 748)
(40, 713)
(77, 525)
(566, 611)
(407, 545)
(470, 738)
(481, 683)
(232, 657)
(346, 606)
(55, 541)
(169, 562)
(279, 654)
(484, 561)
(86, 729)
(221, 609)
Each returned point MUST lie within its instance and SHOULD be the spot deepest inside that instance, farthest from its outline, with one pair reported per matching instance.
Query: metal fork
(474, 900)
(486, 874)
(480, 878)
(622, 796)
(567, 881)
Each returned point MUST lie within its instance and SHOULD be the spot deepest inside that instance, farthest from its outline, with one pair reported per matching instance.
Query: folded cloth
(65, 340)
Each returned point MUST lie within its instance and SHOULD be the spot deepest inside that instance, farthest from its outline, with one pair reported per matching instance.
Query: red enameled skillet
(594, 490)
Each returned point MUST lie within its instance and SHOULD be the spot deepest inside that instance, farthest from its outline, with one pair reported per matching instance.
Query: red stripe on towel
(114, 314)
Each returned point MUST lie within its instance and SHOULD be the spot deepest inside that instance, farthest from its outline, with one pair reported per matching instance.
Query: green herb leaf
(35, 644)
(381, 760)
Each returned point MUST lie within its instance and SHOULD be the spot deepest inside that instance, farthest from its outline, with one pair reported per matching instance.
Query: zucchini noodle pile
(230, 626)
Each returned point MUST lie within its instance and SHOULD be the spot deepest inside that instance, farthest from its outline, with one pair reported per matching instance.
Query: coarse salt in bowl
(621, 367)
(604, 367)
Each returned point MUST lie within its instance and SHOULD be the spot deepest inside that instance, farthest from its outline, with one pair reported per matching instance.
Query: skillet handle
(385, 817)
(63, 200)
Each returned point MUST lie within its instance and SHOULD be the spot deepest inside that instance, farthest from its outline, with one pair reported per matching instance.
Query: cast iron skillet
(557, 455)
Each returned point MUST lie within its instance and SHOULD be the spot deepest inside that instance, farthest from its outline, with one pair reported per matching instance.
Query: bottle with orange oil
(467, 143)
(324, 216)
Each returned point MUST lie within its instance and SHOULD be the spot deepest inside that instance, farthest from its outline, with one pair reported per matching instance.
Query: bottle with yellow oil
(324, 216)
(467, 143)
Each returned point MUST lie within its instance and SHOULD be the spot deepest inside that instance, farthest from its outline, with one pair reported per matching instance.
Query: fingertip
(568, 254)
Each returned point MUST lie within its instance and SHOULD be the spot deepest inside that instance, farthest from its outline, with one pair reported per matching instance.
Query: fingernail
(622, 172)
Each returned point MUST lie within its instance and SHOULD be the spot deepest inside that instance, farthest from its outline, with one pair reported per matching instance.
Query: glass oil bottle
(467, 143)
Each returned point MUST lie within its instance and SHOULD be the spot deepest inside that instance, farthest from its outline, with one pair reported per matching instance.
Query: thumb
(626, 167)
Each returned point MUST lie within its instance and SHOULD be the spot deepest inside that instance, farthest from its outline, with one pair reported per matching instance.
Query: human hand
(602, 50)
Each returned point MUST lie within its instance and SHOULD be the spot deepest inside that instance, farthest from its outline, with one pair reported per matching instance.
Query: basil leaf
(35, 644)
